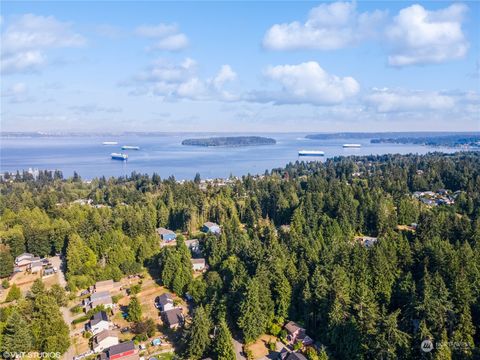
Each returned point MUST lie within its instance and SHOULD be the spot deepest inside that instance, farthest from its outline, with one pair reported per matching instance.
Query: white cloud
(17, 93)
(329, 26)
(22, 61)
(306, 83)
(167, 36)
(419, 36)
(173, 81)
(172, 43)
(398, 100)
(224, 75)
(26, 38)
(156, 31)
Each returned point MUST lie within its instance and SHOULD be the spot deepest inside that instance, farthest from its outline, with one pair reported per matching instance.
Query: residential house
(165, 302)
(35, 266)
(104, 340)
(24, 260)
(48, 272)
(211, 227)
(123, 351)
(98, 323)
(166, 234)
(367, 241)
(97, 299)
(296, 333)
(105, 285)
(173, 318)
(198, 264)
(295, 356)
(193, 245)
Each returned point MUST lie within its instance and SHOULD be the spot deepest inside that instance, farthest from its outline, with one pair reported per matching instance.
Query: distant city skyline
(240, 66)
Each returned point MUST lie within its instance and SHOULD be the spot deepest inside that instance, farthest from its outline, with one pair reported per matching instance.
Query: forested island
(344, 249)
(418, 136)
(230, 141)
(447, 140)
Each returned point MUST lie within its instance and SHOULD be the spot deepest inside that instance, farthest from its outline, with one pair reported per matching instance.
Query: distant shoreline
(230, 141)
(310, 135)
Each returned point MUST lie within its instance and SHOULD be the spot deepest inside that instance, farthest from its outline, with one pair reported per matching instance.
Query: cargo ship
(110, 143)
(128, 147)
(352, 145)
(119, 156)
(311, 153)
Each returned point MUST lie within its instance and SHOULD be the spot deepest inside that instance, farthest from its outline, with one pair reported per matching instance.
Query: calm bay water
(165, 155)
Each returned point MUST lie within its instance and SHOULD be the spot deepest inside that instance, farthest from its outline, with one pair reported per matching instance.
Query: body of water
(165, 155)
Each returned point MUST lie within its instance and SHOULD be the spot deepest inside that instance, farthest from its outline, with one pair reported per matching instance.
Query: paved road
(238, 347)
(67, 315)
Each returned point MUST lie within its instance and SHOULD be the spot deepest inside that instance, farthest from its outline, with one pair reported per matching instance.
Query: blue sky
(240, 66)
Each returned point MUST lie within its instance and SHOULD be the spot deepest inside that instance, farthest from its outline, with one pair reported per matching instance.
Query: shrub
(116, 298)
(5, 284)
(13, 294)
(77, 309)
(275, 329)
(135, 289)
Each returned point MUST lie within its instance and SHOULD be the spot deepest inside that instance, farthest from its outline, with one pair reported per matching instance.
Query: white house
(165, 302)
(198, 264)
(98, 323)
(104, 340)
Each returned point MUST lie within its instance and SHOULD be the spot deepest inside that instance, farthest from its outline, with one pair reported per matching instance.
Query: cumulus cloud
(328, 27)
(17, 93)
(400, 100)
(166, 36)
(306, 83)
(26, 38)
(420, 36)
(172, 81)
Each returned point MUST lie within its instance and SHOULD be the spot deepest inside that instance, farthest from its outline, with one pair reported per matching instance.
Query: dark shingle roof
(165, 299)
(295, 356)
(174, 316)
(292, 327)
(120, 348)
(99, 316)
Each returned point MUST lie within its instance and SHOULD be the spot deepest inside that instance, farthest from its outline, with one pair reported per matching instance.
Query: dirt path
(238, 347)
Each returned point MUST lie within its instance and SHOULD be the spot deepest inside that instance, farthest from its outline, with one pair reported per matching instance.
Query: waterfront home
(211, 227)
(166, 234)
(104, 340)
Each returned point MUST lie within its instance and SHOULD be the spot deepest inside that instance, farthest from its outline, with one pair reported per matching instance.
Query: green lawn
(165, 356)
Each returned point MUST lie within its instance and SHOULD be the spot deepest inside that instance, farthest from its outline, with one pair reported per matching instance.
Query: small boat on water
(311, 153)
(110, 143)
(119, 156)
(128, 147)
(352, 145)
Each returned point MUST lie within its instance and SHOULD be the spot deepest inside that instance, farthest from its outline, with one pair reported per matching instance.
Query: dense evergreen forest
(286, 251)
